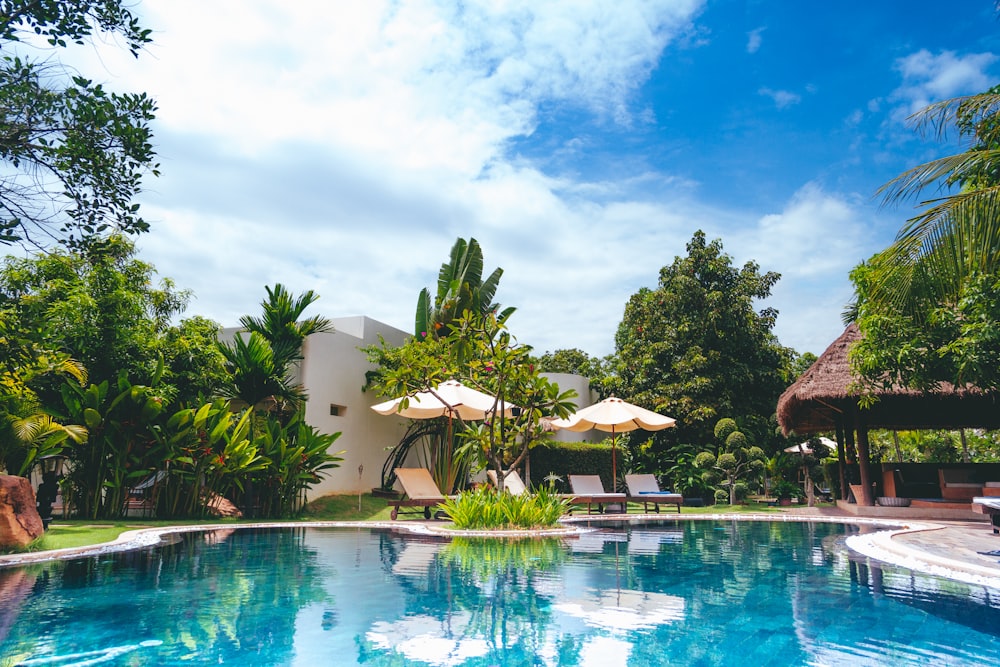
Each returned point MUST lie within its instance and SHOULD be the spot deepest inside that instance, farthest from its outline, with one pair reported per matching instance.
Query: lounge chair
(419, 490)
(958, 485)
(589, 490)
(512, 482)
(645, 489)
(990, 506)
(140, 500)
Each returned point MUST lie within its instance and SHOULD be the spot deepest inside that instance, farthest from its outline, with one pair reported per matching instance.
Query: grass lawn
(63, 534)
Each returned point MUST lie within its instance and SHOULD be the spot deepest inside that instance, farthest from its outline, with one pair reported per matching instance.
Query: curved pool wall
(715, 590)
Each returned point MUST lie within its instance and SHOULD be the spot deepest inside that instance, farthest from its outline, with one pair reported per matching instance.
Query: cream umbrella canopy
(805, 448)
(448, 399)
(617, 416)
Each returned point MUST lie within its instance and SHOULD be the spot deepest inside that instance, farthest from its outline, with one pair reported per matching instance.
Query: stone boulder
(20, 524)
(222, 507)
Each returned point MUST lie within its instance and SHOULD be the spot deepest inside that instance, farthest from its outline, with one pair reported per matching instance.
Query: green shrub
(573, 458)
(485, 509)
(721, 497)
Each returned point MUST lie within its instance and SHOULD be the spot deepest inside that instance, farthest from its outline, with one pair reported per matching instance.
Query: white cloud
(344, 146)
(782, 98)
(813, 243)
(754, 39)
(929, 78)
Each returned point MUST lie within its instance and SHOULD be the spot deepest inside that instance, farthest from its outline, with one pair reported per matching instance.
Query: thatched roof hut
(820, 400)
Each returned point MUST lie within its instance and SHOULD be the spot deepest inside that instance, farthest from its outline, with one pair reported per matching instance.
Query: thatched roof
(820, 398)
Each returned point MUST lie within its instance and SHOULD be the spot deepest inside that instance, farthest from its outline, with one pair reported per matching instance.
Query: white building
(333, 375)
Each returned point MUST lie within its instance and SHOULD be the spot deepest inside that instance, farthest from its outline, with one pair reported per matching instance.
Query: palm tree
(261, 366)
(280, 325)
(956, 236)
(255, 374)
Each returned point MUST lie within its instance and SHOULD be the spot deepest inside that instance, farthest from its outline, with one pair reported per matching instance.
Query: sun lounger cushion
(419, 490)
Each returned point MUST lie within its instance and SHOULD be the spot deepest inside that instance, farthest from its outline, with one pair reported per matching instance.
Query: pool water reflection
(674, 592)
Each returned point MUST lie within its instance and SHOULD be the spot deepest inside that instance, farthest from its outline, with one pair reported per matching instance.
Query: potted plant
(784, 491)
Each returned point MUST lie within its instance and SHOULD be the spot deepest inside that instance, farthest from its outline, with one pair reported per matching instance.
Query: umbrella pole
(614, 467)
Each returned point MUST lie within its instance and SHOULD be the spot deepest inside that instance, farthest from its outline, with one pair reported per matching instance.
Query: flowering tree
(480, 352)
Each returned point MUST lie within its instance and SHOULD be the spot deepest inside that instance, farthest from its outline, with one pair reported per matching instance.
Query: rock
(222, 507)
(20, 524)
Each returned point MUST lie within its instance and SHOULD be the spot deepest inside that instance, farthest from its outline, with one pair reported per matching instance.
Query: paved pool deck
(963, 549)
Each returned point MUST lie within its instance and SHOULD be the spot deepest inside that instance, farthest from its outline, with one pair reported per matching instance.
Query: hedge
(576, 458)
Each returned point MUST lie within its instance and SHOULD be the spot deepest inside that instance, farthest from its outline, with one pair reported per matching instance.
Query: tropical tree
(928, 305)
(27, 431)
(737, 461)
(73, 152)
(116, 453)
(262, 377)
(957, 235)
(577, 362)
(104, 308)
(460, 288)
(262, 365)
(480, 352)
(695, 347)
(280, 325)
(194, 364)
(506, 370)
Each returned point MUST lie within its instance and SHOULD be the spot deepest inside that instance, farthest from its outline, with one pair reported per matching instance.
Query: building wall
(333, 373)
(585, 397)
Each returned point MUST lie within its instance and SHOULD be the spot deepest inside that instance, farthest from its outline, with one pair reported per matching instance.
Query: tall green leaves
(460, 288)
(116, 453)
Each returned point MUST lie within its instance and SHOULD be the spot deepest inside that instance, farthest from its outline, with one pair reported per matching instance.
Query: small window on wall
(337, 410)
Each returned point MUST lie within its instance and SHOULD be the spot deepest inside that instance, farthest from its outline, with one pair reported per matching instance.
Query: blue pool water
(671, 593)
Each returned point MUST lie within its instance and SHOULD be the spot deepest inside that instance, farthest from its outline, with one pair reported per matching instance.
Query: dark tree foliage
(73, 153)
(696, 349)
(575, 361)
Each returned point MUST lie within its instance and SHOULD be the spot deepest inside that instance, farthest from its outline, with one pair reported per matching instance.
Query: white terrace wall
(585, 397)
(333, 374)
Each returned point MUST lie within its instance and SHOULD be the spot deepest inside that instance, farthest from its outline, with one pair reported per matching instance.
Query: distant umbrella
(805, 448)
(614, 415)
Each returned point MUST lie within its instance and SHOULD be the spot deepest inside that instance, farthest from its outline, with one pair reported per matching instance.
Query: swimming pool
(667, 593)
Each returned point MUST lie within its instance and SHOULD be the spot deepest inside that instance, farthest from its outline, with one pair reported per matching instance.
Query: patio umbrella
(448, 399)
(804, 448)
(614, 415)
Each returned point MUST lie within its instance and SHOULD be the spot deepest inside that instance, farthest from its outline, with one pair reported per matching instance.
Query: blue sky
(343, 146)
